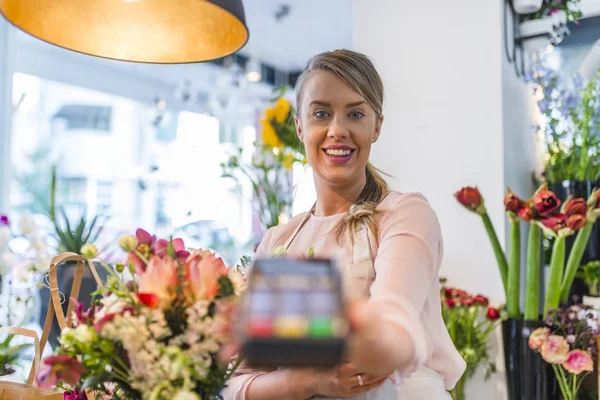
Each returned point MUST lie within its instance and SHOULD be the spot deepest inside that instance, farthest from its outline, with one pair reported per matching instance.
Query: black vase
(528, 376)
(65, 274)
(579, 189)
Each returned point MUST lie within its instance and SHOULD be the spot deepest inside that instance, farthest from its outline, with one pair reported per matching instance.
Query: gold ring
(360, 380)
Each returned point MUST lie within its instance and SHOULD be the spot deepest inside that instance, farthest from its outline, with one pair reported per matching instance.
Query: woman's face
(337, 127)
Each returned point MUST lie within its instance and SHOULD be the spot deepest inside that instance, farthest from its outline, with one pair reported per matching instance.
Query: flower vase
(458, 393)
(528, 377)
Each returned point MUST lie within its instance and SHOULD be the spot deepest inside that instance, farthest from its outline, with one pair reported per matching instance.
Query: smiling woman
(389, 245)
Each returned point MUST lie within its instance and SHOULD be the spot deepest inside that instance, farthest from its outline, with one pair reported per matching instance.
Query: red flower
(469, 197)
(450, 303)
(149, 299)
(576, 221)
(512, 202)
(525, 213)
(459, 293)
(493, 313)
(479, 299)
(467, 301)
(545, 202)
(576, 207)
(554, 222)
(448, 292)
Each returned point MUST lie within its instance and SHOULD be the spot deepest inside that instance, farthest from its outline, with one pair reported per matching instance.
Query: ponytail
(364, 211)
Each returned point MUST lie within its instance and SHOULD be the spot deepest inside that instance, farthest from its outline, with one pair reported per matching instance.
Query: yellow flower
(288, 161)
(281, 110)
(270, 113)
(269, 136)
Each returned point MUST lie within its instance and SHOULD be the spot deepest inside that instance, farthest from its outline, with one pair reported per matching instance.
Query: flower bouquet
(155, 329)
(469, 320)
(567, 341)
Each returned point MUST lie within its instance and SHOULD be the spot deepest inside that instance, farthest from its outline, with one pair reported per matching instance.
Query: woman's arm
(283, 384)
(406, 266)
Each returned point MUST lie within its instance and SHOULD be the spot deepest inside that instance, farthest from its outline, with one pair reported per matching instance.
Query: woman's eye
(321, 114)
(356, 115)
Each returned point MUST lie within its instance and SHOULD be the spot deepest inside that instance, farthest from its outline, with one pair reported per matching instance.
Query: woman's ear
(377, 128)
(298, 129)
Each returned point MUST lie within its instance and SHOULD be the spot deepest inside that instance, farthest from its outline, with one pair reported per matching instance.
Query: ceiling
(310, 27)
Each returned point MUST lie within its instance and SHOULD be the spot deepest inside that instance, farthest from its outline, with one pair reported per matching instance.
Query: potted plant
(545, 23)
(469, 320)
(544, 213)
(79, 239)
(270, 168)
(590, 273)
(10, 355)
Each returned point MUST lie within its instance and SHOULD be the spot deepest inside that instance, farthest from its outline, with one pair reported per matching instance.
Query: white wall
(443, 118)
(6, 67)
(456, 115)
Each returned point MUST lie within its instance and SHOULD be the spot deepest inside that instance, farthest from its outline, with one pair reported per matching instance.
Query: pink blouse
(399, 272)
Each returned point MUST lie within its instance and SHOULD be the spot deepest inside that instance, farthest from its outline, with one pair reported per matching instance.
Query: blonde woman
(390, 245)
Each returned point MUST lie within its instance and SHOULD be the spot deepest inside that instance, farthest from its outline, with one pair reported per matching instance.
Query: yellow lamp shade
(148, 31)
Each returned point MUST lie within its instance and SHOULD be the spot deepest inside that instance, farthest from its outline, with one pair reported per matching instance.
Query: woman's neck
(336, 200)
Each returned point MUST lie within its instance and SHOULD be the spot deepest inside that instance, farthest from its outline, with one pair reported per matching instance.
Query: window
(162, 177)
(95, 118)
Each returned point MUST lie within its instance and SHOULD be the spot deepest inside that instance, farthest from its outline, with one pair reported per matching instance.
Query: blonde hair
(357, 71)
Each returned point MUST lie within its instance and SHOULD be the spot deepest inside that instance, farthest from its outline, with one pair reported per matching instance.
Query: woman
(389, 245)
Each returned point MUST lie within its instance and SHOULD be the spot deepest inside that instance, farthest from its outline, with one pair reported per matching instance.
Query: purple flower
(58, 368)
(75, 395)
(543, 105)
(4, 221)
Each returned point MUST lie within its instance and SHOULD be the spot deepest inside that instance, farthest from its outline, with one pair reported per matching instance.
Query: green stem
(557, 264)
(532, 300)
(514, 271)
(498, 252)
(560, 379)
(574, 260)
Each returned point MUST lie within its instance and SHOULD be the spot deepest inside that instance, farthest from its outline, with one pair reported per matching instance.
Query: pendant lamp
(145, 31)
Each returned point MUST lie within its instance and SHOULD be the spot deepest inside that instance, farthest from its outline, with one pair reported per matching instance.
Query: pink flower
(58, 368)
(75, 395)
(159, 279)
(204, 270)
(555, 349)
(578, 361)
(538, 337)
(145, 248)
(180, 252)
(4, 221)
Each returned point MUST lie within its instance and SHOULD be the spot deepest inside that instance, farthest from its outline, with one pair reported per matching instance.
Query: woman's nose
(337, 130)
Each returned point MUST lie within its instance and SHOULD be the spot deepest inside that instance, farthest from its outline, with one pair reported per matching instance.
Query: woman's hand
(373, 345)
(345, 381)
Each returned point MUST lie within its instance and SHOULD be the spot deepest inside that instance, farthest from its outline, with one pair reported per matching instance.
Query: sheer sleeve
(406, 267)
(237, 385)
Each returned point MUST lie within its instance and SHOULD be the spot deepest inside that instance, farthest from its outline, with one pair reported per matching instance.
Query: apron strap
(362, 246)
(306, 217)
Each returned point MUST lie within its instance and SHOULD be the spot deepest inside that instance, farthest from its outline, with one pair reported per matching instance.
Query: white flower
(27, 226)
(85, 334)
(112, 304)
(4, 238)
(185, 395)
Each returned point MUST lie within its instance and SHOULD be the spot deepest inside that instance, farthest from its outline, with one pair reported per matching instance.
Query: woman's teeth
(339, 153)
